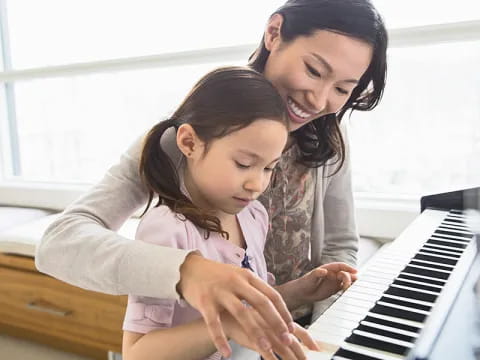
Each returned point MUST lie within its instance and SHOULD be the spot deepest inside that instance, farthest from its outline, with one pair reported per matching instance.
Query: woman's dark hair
(223, 101)
(321, 139)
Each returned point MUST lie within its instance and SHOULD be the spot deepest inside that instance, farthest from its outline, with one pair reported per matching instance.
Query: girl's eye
(269, 169)
(342, 91)
(312, 71)
(241, 166)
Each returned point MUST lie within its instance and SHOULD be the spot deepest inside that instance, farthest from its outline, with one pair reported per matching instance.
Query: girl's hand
(213, 288)
(326, 280)
(319, 284)
(294, 351)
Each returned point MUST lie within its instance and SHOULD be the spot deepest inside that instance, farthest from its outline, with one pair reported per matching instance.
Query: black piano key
(452, 233)
(435, 266)
(411, 294)
(455, 220)
(427, 272)
(347, 354)
(435, 259)
(417, 286)
(447, 243)
(390, 334)
(433, 248)
(456, 211)
(405, 303)
(376, 344)
(414, 278)
(393, 324)
(399, 313)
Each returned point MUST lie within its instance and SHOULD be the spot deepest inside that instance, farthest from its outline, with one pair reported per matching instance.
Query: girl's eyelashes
(241, 166)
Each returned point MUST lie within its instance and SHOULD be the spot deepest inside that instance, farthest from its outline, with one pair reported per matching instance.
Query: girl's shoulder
(160, 225)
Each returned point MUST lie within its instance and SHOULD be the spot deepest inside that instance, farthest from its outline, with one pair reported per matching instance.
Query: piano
(415, 298)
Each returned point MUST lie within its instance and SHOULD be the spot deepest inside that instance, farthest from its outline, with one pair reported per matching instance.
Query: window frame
(378, 215)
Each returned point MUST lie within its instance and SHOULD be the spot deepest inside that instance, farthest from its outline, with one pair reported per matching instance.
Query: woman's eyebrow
(329, 67)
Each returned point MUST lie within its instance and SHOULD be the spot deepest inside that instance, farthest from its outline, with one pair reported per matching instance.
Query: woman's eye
(269, 169)
(342, 91)
(241, 166)
(312, 70)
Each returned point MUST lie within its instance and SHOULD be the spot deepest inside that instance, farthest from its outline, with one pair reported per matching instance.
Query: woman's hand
(319, 284)
(213, 288)
(295, 351)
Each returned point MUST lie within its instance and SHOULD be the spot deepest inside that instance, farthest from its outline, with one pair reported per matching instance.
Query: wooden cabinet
(38, 307)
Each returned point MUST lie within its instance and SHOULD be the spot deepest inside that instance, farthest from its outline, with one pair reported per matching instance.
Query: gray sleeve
(82, 247)
(341, 237)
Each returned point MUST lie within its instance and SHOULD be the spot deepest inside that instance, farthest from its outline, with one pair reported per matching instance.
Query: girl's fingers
(346, 279)
(305, 338)
(339, 266)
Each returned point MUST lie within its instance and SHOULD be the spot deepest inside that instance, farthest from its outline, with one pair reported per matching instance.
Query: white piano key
(375, 280)
(361, 296)
(370, 285)
(349, 308)
(389, 328)
(383, 338)
(355, 302)
(338, 313)
(366, 291)
(371, 272)
(383, 271)
(330, 322)
(320, 333)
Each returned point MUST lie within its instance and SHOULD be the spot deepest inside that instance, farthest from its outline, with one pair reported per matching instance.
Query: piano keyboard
(384, 313)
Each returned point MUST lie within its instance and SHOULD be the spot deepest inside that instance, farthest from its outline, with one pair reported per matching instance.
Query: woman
(325, 57)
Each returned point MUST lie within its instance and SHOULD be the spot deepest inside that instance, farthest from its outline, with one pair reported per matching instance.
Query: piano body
(414, 299)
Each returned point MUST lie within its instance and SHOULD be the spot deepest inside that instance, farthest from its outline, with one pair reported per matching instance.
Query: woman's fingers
(269, 305)
(251, 323)
(211, 316)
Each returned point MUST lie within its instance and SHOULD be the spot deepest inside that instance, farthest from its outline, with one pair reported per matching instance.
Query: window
(81, 80)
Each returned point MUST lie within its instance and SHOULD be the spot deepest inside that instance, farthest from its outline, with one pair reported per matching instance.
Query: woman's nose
(318, 99)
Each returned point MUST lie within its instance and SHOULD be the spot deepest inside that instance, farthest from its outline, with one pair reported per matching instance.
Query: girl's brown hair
(223, 101)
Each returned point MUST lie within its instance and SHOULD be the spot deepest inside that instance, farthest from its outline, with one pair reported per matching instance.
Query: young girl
(230, 133)
(326, 58)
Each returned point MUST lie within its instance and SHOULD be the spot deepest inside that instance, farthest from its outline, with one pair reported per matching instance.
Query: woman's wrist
(189, 265)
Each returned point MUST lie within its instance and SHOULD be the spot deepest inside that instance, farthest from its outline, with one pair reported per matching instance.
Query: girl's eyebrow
(256, 156)
(329, 67)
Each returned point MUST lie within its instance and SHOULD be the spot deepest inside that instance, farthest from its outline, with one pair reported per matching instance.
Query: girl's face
(314, 74)
(236, 168)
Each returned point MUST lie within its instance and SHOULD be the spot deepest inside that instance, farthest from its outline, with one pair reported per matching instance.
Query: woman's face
(314, 74)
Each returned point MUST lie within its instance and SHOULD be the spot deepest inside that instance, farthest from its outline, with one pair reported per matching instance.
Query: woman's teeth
(296, 110)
